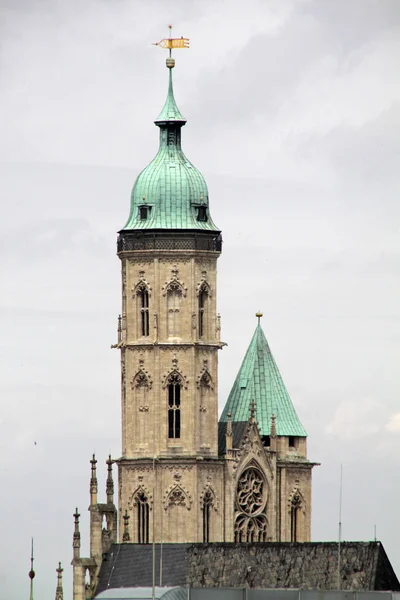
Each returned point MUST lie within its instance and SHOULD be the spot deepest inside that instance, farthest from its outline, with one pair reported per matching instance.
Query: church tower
(169, 337)
(182, 476)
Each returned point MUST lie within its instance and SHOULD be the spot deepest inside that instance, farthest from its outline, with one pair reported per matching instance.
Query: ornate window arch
(141, 506)
(203, 299)
(174, 387)
(296, 508)
(142, 294)
(208, 503)
(204, 385)
(177, 495)
(251, 523)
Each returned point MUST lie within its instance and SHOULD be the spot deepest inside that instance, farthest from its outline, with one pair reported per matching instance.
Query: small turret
(126, 536)
(59, 589)
(93, 482)
(110, 482)
(76, 541)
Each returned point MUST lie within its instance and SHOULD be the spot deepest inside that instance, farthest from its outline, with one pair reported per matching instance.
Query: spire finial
(59, 588)
(125, 536)
(110, 482)
(31, 573)
(253, 409)
(93, 481)
(259, 315)
(76, 540)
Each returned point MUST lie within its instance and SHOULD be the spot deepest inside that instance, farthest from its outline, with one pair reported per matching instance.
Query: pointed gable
(259, 379)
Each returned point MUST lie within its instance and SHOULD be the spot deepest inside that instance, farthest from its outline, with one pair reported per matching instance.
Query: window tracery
(251, 498)
(143, 516)
(174, 385)
(142, 293)
(296, 505)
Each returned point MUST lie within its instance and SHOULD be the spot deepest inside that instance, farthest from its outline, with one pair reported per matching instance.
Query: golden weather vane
(169, 43)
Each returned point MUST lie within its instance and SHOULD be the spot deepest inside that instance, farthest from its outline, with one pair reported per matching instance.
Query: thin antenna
(374, 533)
(340, 528)
(31, 572)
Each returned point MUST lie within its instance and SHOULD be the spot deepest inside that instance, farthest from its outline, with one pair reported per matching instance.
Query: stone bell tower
(170, 477)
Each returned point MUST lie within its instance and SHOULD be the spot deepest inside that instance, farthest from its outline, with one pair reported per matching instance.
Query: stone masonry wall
(286, 565)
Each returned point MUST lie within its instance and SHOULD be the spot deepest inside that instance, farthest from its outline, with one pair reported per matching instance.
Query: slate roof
(238, 430)
(365, 566)
(128, 565)
(259, 379)
(170, 185)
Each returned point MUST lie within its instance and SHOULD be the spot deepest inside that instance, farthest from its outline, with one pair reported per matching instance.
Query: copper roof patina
(259, 379)
(170, 186)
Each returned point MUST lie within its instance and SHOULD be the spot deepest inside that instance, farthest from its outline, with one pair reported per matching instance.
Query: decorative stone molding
(139, 261)
(203, 285)
(142, 285)
(204, 377)
(177, 495)
(141, 489)
(175, 259)
(144, 408)
(296, 499)
(174, 284)
(205, 263)
(142, 377)
(173, 468)
(205, 494)
(175, 372)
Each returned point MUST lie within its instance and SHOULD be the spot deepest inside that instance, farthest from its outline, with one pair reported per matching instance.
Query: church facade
(184, 477)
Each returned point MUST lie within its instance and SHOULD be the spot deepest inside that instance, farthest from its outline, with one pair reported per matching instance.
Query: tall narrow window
(294, 512)
(144, 312)
(142, 507)
(207, 504)
(174, 407)
(202, 312)
(173, 302)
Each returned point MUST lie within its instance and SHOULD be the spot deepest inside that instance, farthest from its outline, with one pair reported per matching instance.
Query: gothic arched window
(143, 297)
(251, 499)
(295, 507)
(142, 513)
(174, 406)
(207, 504)
(203, 298)
(174, 295)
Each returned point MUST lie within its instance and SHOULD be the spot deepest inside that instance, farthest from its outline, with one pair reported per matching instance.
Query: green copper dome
(170, 193)
(259, 380)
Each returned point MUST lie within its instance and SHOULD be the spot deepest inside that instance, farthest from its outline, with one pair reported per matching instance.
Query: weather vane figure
(170, 43)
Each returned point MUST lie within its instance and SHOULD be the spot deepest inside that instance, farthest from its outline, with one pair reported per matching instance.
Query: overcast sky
(293, 118)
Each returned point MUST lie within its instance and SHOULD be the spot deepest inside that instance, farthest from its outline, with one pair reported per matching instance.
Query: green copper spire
(170, 193)
(259, 380)
(170, 112)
